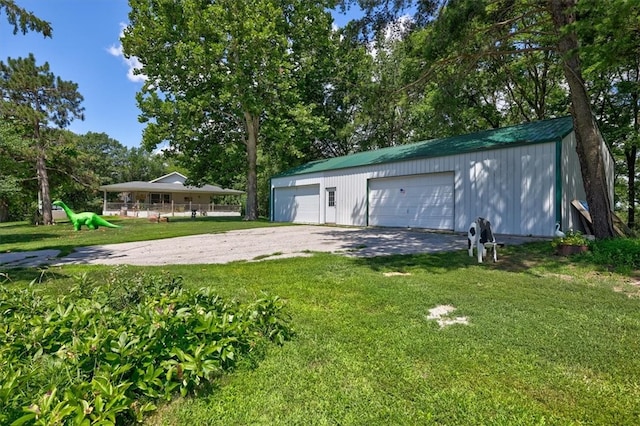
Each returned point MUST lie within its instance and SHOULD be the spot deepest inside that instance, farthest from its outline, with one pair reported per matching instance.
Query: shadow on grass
(25, 238)
(36, 275)
(14, 225)
(433, 262)
(84, 255)
(519, 259)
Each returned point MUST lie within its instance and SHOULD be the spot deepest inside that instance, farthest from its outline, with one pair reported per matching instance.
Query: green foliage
(13, 173)
(611, 62)
(226, 77)
(77, 165)
(620, 253)
(551, 340)
(104, 352)
(23, 20)
(571, 238)
(38, 104)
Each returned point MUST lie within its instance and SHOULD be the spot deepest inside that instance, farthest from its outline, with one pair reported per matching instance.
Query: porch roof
(140, 186)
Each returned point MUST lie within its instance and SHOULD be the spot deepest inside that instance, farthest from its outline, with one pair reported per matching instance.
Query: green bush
(571, 238)
(621, 253)
(104, 353)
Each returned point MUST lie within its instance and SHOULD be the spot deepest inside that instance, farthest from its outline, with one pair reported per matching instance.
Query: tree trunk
(43, 184)
(630, 155)
(588, 141)
(252, 123)
(4, 209)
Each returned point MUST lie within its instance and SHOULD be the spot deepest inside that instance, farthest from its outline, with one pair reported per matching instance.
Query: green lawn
(550, 340)
(549, 345)
(22, 236)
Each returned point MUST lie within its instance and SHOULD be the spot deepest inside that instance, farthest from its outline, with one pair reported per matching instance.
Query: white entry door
(330, 206)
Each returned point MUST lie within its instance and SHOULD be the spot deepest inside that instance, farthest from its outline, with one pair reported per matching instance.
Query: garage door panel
(297, 204)
(422, 201)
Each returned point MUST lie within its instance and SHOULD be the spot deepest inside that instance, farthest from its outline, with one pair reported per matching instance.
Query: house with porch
(167, 195)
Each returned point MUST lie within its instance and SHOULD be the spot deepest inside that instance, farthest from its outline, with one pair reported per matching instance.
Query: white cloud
(132, 62)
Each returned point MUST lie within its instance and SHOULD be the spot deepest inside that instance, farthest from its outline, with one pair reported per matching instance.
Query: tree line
(41, 161)
(240, 91)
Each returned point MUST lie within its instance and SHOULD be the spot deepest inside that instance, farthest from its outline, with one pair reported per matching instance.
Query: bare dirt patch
(442, 314)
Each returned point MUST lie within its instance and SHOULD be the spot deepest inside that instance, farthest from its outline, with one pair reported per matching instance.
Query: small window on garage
(331, 197)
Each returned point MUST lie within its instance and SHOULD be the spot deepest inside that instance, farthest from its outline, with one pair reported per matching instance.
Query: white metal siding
(513, 187)
(537, 190)
(421, 201)
(298, 204)
(572, 184)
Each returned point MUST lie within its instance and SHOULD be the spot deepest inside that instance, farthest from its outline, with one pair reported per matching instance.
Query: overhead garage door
(298, 204)
(420, 201)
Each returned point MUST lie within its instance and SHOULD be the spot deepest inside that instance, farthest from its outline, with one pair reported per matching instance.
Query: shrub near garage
(619, 253)
(106, 353)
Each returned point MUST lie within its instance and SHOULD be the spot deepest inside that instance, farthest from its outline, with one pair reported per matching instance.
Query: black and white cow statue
(481, 236)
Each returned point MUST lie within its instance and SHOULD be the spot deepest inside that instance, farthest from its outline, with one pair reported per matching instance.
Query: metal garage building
(522, 178)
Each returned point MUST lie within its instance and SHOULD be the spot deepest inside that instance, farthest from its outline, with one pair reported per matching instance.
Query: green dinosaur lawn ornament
(90, 219)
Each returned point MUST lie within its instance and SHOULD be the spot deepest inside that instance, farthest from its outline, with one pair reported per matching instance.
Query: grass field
(550, 340)
(20, 236)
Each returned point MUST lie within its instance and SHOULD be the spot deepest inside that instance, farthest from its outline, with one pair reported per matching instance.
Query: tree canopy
(532, 50)
(222, 76)
(23, 20)
(236, 92)
(37, 102)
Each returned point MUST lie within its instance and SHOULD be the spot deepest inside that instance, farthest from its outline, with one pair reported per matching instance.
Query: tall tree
(36, 102)
(220, 72)
(506, 25)
(611, 58)
(587, 134)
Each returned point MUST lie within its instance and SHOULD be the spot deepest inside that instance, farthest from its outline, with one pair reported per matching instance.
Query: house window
(160, 198)
(331, 194)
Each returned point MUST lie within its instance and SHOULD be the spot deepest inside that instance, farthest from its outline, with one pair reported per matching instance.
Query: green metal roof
(522, 134)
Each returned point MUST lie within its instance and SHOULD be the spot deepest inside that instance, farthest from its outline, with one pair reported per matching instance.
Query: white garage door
(420, 201)
(298, 204)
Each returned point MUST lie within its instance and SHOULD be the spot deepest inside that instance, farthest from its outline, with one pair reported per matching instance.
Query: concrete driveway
(256, 244)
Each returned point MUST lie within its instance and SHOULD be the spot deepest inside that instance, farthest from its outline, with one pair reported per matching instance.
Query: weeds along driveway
(258, 244)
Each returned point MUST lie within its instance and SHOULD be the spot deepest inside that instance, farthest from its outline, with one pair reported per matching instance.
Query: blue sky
(85, 49)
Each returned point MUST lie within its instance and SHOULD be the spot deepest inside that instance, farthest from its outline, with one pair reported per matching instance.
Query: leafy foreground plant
(104, 353)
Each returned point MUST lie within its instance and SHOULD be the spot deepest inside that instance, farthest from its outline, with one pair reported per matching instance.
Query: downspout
(366, 219)
(558, 203)
(271, 197)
